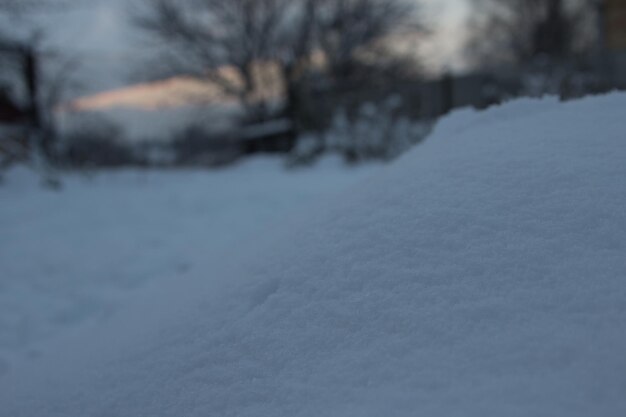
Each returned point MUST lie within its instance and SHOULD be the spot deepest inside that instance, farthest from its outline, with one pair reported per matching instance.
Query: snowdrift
(483, 274)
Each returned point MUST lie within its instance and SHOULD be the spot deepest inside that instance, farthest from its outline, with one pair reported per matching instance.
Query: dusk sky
(99, 33)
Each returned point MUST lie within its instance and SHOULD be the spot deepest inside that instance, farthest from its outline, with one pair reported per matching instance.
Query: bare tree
(222, 41)
(357, 35)
(42, 74)
(521, 31)
(236, 43)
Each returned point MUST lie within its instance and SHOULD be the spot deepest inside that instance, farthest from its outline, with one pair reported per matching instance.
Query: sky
(99, 34)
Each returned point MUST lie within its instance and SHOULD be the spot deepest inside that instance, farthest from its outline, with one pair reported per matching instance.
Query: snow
(75, 256)
(482, 274)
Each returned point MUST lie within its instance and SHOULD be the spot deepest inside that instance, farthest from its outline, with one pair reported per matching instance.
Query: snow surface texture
(483, 274)
(74, 257)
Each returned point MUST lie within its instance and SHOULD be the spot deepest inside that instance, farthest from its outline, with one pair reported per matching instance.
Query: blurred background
(158, 83)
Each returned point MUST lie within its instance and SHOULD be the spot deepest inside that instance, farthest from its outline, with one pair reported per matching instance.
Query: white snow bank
(75, 256)
(482, 275)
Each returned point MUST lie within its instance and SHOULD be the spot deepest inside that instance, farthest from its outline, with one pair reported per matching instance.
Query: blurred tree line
(522, 31)
(555, 44)
(310, 75)
(264, 51)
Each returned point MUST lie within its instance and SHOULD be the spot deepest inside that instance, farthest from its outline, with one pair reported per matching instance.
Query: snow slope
(73, 257)
(483, 274)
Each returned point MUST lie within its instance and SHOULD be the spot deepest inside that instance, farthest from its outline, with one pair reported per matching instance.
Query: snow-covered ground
(74, 256)
(483, 274)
